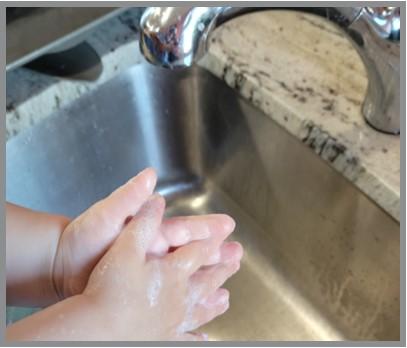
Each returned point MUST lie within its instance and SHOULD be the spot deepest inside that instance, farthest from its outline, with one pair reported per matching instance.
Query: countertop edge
(309, 133)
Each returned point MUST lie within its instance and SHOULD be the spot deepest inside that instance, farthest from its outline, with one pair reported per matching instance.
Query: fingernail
(154, 197)
(231, 252)
(229, 224)
(205, 337)
(150, 179)
(150, 183)
(155, 201)
(228, 258)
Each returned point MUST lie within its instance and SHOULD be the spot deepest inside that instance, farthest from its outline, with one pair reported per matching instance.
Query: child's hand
(88, 237)
(132, 295)
(160, 298)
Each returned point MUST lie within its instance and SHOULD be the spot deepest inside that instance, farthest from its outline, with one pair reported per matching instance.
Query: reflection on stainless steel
(321, 260)
(177, 37)
(385, 21)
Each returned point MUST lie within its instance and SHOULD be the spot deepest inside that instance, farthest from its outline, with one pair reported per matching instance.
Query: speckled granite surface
(298, 69)
(32, 96)
(303, 73)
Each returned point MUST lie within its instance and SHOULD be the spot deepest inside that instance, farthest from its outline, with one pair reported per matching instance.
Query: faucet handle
(376, 36)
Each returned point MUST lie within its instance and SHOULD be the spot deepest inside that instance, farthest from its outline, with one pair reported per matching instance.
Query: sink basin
(321, 260)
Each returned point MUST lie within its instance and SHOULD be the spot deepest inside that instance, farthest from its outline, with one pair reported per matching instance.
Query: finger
(208, 280)
(184, 229)
(177, 231)
(143, 228)
(128, 199)
(159, 247)
(214, 305)
(196, 254)
(230, 252)
(227, 252)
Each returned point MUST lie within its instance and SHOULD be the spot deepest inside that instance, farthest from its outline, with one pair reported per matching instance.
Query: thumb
(98, 227)
(142, 230)
(125, 201)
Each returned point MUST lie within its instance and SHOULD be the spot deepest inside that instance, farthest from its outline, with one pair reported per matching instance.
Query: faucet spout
(176, 37)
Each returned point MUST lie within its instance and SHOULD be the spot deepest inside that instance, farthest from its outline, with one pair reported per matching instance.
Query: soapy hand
(122, 273)
(161, 297)
(133, 294)
(87, 238)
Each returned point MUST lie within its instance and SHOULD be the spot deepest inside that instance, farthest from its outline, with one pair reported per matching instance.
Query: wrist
(81, 321)
(32, 240)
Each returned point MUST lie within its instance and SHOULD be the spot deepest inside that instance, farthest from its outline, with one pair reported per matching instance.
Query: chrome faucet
(176, 37)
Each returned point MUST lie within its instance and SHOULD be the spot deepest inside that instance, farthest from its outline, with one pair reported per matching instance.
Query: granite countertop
(32, 96)
(298, 69)
(302, 72)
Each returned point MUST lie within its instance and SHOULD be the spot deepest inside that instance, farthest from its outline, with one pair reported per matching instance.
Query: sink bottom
(263, 306)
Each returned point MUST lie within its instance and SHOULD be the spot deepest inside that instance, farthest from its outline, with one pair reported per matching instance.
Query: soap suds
(191, 300)
(154, 288)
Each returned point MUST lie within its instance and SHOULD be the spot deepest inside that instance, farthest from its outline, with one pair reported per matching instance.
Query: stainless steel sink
(321, 260)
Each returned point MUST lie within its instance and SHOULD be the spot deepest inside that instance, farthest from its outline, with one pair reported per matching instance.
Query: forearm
(73, 319)
(31, 243)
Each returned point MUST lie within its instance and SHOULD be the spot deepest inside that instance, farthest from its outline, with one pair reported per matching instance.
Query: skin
(133, 296)
(57, 265)
(31, 241)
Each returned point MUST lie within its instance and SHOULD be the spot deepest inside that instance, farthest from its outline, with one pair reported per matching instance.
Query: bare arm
(68, 320)
(31, 243)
